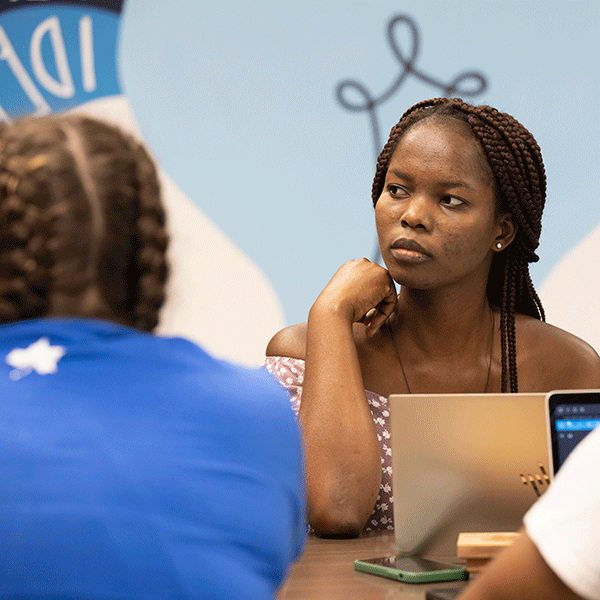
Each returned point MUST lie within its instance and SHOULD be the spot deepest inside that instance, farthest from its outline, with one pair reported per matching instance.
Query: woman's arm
(519, 572)
(343, 463)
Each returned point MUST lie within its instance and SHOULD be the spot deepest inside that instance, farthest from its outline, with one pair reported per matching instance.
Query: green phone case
(452, 574)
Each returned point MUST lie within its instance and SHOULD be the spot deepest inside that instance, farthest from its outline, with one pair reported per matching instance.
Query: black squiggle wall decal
(466, 84)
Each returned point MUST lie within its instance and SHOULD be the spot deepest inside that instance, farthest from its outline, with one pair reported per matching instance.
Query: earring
(499, 245)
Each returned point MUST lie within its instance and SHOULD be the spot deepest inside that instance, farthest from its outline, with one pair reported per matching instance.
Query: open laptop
(570, 415)
(464, 463)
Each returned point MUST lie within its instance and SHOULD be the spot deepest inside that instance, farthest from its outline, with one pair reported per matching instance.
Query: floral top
(290, 373)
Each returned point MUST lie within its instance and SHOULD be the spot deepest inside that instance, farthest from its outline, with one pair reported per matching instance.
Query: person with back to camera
(458, 193)
(132, 466)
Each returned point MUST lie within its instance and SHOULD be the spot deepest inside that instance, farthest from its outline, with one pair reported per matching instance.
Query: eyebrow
(457, 183)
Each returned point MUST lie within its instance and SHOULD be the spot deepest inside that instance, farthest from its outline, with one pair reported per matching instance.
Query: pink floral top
(290, 373)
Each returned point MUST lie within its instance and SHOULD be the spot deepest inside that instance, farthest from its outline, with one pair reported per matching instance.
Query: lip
(407, 249)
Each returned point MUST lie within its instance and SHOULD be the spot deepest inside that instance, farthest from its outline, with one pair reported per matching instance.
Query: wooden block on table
(483, 545)
(476, 565)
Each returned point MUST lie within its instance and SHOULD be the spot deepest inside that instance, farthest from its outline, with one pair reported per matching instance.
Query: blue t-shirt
(134, 466)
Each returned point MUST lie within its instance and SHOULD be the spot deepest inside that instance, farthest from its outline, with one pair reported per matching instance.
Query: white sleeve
(564, 523)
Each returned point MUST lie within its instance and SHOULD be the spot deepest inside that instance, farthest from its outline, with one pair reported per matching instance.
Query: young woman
(132, 466)
(458, 193)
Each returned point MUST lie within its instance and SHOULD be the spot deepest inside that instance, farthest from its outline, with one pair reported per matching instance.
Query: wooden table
(326, 572)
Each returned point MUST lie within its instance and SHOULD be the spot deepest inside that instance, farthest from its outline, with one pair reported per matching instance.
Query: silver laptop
(464, 463)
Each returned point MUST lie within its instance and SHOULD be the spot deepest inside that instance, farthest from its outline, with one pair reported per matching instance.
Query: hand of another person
(363, 291)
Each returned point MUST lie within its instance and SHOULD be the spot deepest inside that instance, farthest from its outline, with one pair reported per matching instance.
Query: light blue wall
(237, 99)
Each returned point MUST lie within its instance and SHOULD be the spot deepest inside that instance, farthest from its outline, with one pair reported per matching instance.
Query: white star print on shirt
(40, 356)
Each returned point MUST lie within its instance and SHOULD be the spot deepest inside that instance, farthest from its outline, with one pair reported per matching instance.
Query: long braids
(26, 226)
(69, 219)
(520, 181)
(135, 240)
(152, 268)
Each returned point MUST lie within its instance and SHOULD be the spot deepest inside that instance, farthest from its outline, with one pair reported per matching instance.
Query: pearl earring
(499, 245)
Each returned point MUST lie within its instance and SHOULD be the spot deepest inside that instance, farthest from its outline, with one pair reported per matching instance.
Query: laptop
(464, 463)
(570, 416)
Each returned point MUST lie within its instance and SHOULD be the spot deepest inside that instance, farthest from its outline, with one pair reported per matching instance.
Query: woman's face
(436, 217)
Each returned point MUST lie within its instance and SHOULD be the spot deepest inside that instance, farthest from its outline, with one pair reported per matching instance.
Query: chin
(413, 281)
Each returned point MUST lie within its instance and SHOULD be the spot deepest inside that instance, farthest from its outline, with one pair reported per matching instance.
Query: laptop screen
(572, 415)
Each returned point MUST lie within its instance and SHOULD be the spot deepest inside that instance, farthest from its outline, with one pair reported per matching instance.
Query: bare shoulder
(290, 341)
(552, 358)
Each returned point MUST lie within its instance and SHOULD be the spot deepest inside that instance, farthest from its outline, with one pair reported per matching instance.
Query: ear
(505, 232)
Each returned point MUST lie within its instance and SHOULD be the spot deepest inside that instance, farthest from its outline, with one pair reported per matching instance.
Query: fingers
(376, 323)
(366, 319)
(362, 291)
(377, 316)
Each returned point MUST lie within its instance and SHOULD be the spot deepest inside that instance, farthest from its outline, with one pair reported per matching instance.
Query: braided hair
(520, 185)
(79, 206)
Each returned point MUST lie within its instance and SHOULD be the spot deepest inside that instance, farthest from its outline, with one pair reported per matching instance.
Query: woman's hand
(363, 291)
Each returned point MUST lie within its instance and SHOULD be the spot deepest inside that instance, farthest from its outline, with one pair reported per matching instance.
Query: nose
(417, 213)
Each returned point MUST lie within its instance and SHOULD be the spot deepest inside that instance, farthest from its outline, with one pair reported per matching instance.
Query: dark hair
(79, 204)
(520, 184)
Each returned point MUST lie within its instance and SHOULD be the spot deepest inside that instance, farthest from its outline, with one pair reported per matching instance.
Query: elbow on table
(336, 523)
(341, 507)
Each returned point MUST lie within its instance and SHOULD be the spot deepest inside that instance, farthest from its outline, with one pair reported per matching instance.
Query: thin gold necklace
(489, 371)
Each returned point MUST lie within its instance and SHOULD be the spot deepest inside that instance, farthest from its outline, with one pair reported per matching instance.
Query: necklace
(489, 370)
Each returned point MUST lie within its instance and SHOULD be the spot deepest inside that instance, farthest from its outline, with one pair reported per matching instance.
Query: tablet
(571, 415)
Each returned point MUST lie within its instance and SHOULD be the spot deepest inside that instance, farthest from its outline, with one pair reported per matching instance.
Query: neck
(443, 341)
(89, 303)
(441, 322)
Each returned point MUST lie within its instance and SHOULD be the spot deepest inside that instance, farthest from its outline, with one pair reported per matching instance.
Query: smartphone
(411, 569)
